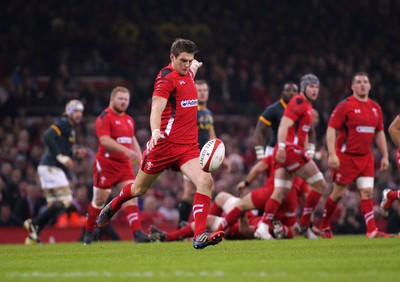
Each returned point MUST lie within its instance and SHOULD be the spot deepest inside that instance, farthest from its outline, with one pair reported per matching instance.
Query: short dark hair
(183, 45)
(360, 73)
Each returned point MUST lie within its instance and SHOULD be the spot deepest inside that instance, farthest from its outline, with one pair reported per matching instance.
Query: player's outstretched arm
(195, 66)
(157, 107)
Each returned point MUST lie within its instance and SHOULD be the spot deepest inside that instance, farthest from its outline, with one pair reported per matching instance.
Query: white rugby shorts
(52, 177)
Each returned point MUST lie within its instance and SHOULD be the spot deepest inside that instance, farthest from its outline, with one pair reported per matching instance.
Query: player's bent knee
(315, 178)
(230, 204)
(365, 182)
(282, 183)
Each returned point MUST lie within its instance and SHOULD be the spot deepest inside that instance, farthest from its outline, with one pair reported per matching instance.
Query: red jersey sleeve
(295, 108)
(338, 116)
(103, 126)
(163, 87)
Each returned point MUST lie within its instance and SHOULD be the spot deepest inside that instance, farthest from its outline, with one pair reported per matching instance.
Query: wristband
(154, 131)
(310, 151)
(259, 152)
(246, 183)
(282, 145)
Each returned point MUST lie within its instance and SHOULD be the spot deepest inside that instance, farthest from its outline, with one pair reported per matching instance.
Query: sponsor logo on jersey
(189, 103)
(124, 140)
(365, 129)
(306, 128)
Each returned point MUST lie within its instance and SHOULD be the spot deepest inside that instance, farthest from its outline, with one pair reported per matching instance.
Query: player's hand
(155, 137)
(241, 186)
(242, 189)
(385, 163)
(132, 155)
(195, 66)
(280, 157)
(333, 161)
(65, 160)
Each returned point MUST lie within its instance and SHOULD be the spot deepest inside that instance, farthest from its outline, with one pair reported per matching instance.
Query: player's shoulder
(346, 101)
(275, 108)
(62, 122)
(275, 105)
(297, 100)
(104, 113)
(373, 103)
(166, 72)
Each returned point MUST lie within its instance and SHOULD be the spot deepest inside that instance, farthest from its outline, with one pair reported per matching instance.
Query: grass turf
(346, 258)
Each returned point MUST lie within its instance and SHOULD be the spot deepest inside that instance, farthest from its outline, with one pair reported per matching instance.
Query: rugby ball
(212, 155)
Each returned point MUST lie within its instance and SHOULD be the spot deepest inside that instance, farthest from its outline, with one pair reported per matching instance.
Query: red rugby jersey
(179, 118)
(357, 122)
(300, 111)
(120, 128)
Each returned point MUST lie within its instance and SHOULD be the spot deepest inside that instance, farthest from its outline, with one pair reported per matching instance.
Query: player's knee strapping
(315, 178)
(365, 182)
(283, 183)
(230, 204)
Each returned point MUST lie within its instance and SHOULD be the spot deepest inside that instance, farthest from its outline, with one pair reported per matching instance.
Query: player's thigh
(188, 188)
(202, 180)
(143, 183)
(308, 171)
(258, 198)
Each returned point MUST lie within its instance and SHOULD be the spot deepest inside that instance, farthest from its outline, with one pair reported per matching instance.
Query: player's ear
(172, 57)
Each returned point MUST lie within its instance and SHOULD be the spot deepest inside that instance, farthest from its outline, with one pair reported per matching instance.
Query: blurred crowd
(52, 51)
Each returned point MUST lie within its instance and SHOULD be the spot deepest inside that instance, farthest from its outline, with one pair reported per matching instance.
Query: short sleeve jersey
(179, 118)
(204, 123)
(300, 111)
(120, 128)
(272, 116)
(357, 122)
(65, 139)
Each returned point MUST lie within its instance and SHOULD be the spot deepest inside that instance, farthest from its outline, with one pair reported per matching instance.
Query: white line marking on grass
(169, 274)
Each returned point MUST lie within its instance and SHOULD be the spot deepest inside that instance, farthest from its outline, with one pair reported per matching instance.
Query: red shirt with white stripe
(357, 122)
(179, 118)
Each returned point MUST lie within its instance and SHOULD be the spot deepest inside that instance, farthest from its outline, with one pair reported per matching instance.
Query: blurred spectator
(7, 218)
(150, 215)
(168, 210)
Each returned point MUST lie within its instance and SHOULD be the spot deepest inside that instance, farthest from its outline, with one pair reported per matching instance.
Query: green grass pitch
(345, 258)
